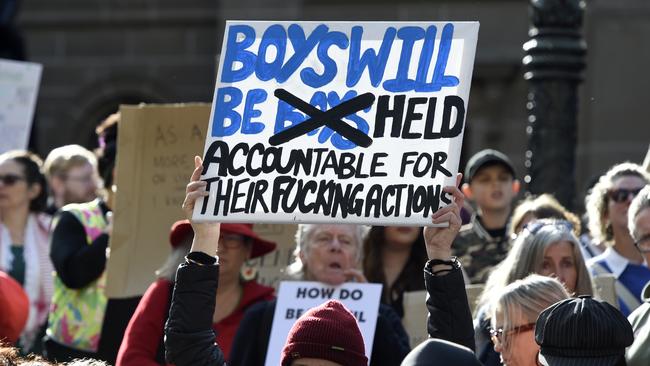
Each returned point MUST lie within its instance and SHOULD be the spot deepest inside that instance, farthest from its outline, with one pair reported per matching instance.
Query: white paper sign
(324, 122)
(296, 297)
(19, 83)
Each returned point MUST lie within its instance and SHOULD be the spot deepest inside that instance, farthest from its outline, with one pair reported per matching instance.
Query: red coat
(145, 331)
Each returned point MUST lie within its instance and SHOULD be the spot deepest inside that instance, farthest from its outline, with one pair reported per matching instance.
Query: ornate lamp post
(553, 67)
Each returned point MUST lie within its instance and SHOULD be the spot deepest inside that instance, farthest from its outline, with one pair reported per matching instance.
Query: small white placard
(296, 298)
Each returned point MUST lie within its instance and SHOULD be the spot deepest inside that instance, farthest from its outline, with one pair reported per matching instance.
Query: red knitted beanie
(329, 332)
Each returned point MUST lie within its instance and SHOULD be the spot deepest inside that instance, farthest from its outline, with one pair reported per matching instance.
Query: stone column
(555, 58)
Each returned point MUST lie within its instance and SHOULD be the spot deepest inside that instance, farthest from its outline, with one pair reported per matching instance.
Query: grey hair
(639, 203)
(175, 258)
(297, 269)
(596, 201)
(526, 257)
(525, 298)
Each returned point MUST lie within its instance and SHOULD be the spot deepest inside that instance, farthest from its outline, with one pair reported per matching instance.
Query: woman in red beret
(143, 341)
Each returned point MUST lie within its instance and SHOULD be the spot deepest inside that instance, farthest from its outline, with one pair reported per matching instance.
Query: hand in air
(438, 239)
(206, 235)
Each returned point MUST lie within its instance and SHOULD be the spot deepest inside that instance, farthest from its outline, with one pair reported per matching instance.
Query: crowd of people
(536, 260)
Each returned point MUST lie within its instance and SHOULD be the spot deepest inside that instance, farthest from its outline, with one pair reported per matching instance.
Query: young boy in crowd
(491, 185)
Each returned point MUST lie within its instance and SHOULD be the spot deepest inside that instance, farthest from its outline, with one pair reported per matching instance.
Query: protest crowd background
(536, 253)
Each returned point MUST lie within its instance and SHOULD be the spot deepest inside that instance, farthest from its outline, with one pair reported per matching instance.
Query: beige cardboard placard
(156, 147)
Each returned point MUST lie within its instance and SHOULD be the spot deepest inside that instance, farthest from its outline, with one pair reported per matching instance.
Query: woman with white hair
(514, 311)
(545, 247)
(330, 254)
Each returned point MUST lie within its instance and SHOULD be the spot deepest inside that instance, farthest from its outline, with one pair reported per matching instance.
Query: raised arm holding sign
(329, 123)
(190, 339)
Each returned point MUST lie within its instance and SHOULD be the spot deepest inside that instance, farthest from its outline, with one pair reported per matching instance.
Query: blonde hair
(639, 203)
(597, 200)
(544, 206)
(527, 255)
(525, 299)
(297, 269)
(60, 160)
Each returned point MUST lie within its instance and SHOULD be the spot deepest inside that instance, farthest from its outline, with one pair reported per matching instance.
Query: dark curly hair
(32, 168)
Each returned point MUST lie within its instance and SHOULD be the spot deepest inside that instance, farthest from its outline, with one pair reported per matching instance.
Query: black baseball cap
(582, 332)
(484, 158)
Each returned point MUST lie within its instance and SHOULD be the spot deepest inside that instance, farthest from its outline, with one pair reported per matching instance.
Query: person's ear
(516, 186)
(302, 256)
(467, 190)
(57, 185)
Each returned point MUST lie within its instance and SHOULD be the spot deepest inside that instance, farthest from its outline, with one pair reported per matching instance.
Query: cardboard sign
(296, 297)
(19, 83)
(324, 122)
(156, 149)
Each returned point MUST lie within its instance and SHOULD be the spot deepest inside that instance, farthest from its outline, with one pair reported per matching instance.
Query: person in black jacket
(189, 337)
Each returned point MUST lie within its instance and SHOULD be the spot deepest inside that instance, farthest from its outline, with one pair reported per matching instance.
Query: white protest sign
(19, 83)
(296, 297)
(323, 122)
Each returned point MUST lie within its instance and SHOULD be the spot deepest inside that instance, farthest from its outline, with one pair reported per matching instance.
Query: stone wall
(98, 54)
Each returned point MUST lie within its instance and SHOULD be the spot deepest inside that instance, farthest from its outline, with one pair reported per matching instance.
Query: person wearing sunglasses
(514, 311)
(24, 244)
(607, 207)
(546, 247)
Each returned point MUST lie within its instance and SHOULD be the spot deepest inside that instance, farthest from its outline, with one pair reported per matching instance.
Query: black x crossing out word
(330, 118)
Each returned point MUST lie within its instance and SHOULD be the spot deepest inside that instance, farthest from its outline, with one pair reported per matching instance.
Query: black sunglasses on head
(622, 194)
(10, 179)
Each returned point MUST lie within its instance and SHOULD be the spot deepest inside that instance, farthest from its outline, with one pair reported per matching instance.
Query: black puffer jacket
(449, 315)
(189, 338)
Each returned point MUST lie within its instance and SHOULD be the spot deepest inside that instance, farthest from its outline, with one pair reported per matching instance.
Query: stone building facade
(100, 53)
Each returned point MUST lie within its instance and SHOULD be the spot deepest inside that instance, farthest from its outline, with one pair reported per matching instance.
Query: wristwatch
(452, 262)
(201, 259)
